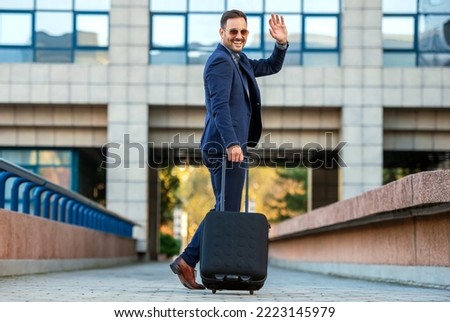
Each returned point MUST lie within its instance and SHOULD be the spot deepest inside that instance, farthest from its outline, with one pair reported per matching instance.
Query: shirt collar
(234, 55)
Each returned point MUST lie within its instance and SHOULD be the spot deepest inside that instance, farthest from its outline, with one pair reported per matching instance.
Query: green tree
(170, 183)
(288, 197)
(196, 194)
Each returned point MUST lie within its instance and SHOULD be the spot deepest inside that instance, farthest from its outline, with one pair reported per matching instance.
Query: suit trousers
(234, 178)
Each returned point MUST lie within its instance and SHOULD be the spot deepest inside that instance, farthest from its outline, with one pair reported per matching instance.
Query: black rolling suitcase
(234, 248)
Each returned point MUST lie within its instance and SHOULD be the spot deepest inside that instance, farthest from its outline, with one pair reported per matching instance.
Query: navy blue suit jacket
(233, 114)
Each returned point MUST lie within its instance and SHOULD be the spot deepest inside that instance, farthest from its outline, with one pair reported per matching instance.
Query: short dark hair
(230, 14)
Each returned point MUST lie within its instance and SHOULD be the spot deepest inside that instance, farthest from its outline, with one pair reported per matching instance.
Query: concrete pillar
(127, 172)
(362, 112)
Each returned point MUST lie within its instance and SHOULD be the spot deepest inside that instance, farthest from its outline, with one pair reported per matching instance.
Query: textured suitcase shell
(234, 251)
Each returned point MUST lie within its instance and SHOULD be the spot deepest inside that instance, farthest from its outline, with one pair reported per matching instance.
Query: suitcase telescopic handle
(246, 163)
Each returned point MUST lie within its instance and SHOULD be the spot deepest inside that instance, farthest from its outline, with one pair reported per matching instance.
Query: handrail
(53, 202)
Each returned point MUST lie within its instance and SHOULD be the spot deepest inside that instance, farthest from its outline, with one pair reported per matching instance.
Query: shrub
(169, 245)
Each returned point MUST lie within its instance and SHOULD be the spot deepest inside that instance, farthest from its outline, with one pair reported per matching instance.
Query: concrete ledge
(29, 237)
(398, 232)
(411, 195)
(427, 276)
(30, 244)
(10, 267)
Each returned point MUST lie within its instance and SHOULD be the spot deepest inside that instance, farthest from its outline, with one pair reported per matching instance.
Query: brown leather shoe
(186, 274)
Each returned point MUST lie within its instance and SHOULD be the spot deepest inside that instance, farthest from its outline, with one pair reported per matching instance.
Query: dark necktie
(236, 59)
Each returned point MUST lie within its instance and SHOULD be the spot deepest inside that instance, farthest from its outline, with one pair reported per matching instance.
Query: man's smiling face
(234, 35)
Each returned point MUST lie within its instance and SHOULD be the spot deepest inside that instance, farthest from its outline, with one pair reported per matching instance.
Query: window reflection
(321, 59)
(434, 6)
(424, 21)
(53, 56)
(22, 157)
(398, 32)
(247, 6)
(399, 59)
(57, 175)
(254, 37)
(167, 5)
(321, 6)
(295, 31)
(9, 55)
(404, 6)
(90, 5)
(283, 6)
(201, 37)
(434, 33)
(91, 57)
(54, 4)
(168, 25)
(48, 29)
(321, 32)
(92, 30)
(434, 59)
(206, 5)
(54, 29)
(17, 4)
(53, 165)
(167, 57)
(21, 24)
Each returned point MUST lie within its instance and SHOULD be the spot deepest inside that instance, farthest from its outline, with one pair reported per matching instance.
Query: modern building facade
(97, 95)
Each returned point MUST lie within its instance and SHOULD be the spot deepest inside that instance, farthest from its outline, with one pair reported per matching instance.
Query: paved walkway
(146, 282)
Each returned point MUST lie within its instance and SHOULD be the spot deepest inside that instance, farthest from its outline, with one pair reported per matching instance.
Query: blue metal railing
(31, 194)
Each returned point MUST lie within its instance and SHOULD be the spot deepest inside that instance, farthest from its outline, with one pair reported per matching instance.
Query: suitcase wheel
(213, 291)
(251, 292)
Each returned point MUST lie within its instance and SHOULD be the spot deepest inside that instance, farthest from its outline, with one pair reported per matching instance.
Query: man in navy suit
(233, 118)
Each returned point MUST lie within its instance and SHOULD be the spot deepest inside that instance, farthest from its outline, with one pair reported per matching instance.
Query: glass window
(434, 59)
(283, 6)
(254, 36)
(198, 57)
(434, 6)
(295, 32)
(321, 59)
(167, 57)
(17, 4)
(91, 57)
(194, 31)
(53, 56)
(54, 29)
(54, 157)
(403, 6)
(434, 33)
(206, 5)
(92, 30)
(90, 5)
(321, 32)
(246, 6)
(15, 29)
(416, 32)
(16, 55)
(54, 4)
(393, 59)
(20, 157)
(57, 175)
(398, 32)
(201, 37)
(164, 25)
(321, 6)
(292, 58)
(167, 5)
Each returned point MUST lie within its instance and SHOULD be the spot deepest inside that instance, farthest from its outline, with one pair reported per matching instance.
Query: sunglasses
(234, 32)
